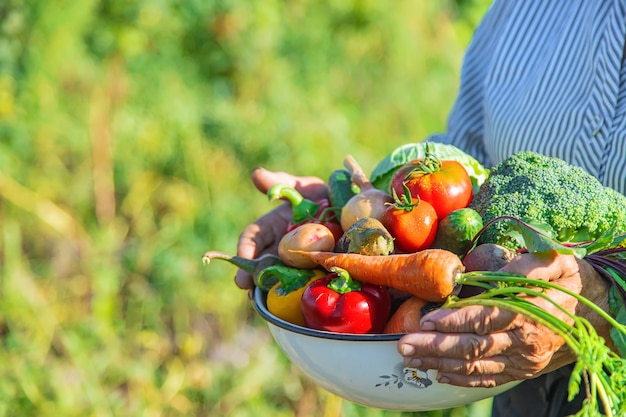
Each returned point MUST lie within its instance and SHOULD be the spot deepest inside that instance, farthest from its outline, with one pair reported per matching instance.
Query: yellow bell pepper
(283, 299)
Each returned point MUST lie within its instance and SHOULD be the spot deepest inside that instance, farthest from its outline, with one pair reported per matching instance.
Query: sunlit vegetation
(128, 129)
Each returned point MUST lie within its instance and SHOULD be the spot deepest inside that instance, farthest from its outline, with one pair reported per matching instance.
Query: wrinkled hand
(485, 346)
(262, 236)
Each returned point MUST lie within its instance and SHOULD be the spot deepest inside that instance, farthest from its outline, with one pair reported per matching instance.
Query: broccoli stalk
(572, 205)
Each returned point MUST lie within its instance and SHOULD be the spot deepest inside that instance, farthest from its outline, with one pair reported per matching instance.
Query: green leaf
(608, 240)
(575, 380)
(619, 279)
(538, 239)
(618, 310)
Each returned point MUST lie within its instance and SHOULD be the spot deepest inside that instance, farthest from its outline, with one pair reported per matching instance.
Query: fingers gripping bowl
(365, 368)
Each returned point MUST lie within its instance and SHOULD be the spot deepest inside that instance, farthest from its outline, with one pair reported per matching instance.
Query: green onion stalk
(602, 370)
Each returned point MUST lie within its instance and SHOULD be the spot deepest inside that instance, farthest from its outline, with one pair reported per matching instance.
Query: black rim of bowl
(259, 304)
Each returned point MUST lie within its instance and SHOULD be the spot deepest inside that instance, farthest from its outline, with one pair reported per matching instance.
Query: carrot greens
(602, 370)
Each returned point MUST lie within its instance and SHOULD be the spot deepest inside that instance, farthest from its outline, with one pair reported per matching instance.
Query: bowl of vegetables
(365, 368)
(379, 247)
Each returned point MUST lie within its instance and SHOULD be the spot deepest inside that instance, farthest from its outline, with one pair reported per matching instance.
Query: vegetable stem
(503, 277)
(343, 283)
(598, 366)
(556, 325)
(302, 209)
(252, 266)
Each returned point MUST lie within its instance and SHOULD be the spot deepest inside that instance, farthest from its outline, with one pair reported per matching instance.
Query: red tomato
(413, 225)
(444, 184)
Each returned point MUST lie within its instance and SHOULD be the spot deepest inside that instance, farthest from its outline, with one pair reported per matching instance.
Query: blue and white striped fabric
(547, 76)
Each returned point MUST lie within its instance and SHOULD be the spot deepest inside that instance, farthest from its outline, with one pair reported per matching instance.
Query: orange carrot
(406, 319)
(429, 274)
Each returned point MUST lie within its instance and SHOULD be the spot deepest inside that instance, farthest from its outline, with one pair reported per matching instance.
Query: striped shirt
(547, 76)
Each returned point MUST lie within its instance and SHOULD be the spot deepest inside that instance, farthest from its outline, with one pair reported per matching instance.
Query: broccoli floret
(548, 191)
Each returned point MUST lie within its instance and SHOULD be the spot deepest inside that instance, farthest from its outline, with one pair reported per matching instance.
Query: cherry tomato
(446, 185)
(413, 224)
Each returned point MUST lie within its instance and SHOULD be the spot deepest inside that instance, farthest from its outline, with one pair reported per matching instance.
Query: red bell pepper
(337, 303)
(305, 210)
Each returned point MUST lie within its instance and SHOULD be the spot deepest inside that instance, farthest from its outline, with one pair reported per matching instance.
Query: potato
(307, 237)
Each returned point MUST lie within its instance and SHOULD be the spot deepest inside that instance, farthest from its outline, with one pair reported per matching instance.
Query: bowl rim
(258, 301)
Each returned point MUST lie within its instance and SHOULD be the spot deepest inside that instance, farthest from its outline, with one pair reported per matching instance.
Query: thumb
(264, 179)
(309, 186)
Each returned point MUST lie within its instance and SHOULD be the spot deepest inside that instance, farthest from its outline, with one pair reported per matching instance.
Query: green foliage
(538, 189)
(127, 133)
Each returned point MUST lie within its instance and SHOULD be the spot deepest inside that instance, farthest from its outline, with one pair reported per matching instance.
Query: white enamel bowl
(366, 369)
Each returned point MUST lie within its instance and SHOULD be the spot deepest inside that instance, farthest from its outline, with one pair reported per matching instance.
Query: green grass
(128, 130)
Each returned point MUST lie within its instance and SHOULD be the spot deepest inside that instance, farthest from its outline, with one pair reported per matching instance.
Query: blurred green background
(128, 130)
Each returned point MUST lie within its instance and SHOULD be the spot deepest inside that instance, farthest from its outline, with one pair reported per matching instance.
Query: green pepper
(306, 211)
(252, 266)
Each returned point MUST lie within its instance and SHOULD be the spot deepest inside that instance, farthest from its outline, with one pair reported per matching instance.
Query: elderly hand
(483, 346)
(262, 236)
